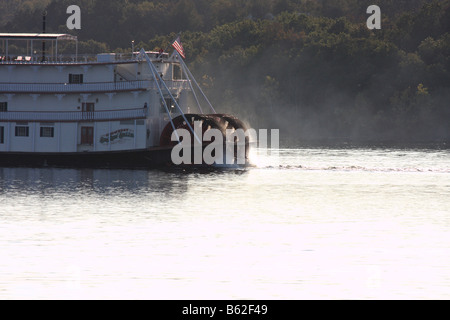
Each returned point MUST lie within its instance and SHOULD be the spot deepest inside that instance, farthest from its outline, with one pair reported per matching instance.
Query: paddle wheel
(226, 124)
(207, 122)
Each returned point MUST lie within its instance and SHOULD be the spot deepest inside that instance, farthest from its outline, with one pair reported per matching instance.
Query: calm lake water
(309, 223)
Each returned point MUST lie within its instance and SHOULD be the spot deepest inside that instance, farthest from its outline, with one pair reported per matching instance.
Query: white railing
(87, 87)
(70, 87)
(75, 58)
(174, 85)
(74, 116)
(62, 59)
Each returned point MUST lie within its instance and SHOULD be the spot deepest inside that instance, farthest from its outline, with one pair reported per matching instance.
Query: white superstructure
(104, 109)
(103, 103)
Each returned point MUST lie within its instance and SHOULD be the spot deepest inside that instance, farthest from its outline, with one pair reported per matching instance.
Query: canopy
(37, 36)
(53, 37)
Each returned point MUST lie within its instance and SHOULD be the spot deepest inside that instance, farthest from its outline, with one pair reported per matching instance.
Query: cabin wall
(114, 135)
(29, 137)
(68, 137)
(73, 102)
(4, 136)
(55, 73)
(120, 135)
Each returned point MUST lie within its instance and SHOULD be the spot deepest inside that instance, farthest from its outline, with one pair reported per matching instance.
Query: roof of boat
(37, 36)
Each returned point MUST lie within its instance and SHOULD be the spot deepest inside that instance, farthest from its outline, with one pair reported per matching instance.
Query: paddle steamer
(104, 110)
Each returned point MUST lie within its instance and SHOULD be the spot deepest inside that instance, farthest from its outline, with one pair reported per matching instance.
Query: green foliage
(308, 67)
(8, 8)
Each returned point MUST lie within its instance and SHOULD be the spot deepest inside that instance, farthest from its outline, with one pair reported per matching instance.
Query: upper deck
(107, 73)
(36, 52)
(30, 82)
(52, 72)
(82, 59)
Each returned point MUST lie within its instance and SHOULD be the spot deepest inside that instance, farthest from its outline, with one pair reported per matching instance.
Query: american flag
(179, 47)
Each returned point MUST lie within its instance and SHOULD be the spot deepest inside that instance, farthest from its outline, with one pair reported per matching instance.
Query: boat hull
(152, 158)
(135, 159)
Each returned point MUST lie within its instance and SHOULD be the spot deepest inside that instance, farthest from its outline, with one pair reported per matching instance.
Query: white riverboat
(105, 110)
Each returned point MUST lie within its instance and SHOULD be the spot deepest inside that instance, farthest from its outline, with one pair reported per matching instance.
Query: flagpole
(179, 50)
(189, 74)
(179, 47)
(169, 45)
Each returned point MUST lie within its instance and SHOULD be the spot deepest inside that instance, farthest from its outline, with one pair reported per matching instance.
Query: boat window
(177, 73)
(170, 105)
(126, 122)
(75, 78)
(88, 111)
(2, 135)
(47, 132)
(87, 135)
(3, 106)
(88, 107)
(22, 131)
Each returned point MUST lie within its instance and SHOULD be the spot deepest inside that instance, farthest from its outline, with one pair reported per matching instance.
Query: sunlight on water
(303, 224)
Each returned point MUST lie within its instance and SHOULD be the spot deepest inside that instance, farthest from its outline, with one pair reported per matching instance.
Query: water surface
(309, 223)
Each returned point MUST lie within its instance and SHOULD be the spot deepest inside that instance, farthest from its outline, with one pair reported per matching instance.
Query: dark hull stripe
(151, 158)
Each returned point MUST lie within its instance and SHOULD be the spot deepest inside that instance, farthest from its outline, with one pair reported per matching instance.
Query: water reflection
(42, 181)
(309, 223)
(102, 180)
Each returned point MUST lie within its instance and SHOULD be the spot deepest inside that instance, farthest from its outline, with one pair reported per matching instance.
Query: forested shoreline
(310, 68)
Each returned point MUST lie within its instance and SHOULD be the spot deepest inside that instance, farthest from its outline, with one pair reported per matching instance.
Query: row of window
(86, 107)
(45, 132)
(24, 131)
(75, 78)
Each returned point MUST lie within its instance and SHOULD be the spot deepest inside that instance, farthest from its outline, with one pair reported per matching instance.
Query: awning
(37, 36)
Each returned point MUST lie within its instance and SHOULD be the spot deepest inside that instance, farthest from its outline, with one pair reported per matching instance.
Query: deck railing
(76, 58)
(56, 88)
(70, 87)
(73, 116)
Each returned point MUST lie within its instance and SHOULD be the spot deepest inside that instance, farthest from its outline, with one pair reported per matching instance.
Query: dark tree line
(310, 67)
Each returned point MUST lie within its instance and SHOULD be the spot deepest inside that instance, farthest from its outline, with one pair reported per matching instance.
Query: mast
(191, 77)
(44, 16)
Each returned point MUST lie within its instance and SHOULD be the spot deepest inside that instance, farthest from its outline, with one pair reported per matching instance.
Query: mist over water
(306, 223)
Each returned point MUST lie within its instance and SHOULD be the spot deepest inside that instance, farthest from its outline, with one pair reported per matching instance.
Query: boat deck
(83, 59)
